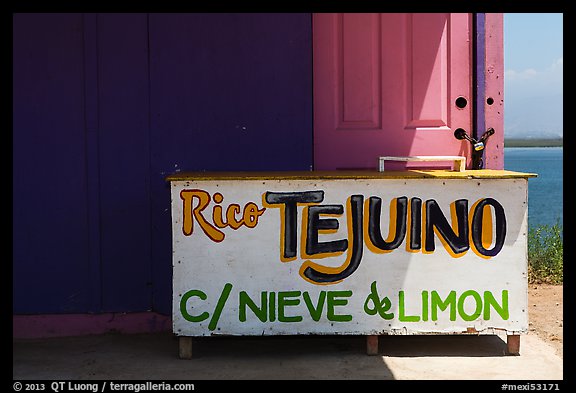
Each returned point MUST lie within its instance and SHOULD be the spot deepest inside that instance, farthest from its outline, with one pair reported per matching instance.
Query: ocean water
(545, 196)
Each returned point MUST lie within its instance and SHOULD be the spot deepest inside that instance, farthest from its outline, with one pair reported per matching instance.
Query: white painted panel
(416, 291)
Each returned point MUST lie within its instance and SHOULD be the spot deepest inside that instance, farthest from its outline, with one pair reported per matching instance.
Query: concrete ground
(155, 357)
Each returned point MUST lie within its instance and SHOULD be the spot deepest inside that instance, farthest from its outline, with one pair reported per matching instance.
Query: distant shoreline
(533, 142)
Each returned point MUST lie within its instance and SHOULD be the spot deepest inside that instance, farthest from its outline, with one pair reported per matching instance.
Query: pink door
(390, 84)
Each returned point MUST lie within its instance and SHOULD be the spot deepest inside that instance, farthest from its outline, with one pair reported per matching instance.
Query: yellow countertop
(367, 174)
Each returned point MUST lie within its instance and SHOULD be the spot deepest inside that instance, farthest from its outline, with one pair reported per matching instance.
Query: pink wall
(494, 113)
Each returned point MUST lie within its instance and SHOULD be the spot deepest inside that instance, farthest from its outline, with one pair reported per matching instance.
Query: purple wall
(105, 106)
(51, 271)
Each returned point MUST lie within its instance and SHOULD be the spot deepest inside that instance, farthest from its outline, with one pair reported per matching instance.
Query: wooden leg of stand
(372, 345)
(185, 347)
(513, 343)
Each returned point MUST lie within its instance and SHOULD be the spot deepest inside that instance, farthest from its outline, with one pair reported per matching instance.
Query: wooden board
(349, 256)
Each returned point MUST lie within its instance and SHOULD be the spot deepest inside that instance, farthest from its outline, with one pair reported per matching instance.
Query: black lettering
(500, 227)
(356, 207)
(290, 201)
(374, 231)
(435, 218)
(415, 223)
(315, 223)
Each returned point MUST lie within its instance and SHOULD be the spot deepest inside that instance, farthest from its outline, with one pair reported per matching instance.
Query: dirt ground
(545, 314)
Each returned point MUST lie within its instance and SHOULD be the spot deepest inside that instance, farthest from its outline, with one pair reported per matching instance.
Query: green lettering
(286, 299)
(477, 311)
(184, 301)
(335, 298)
(272, 307)
(436, 303)
(315, 312)
(424, 305)
(245, 300)
(403, 317)
(502, 310)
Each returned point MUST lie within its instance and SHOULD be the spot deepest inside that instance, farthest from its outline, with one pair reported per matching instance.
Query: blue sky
(533, 78)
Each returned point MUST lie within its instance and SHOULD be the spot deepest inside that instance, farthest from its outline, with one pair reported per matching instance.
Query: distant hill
(533, 142)
(533, 117)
